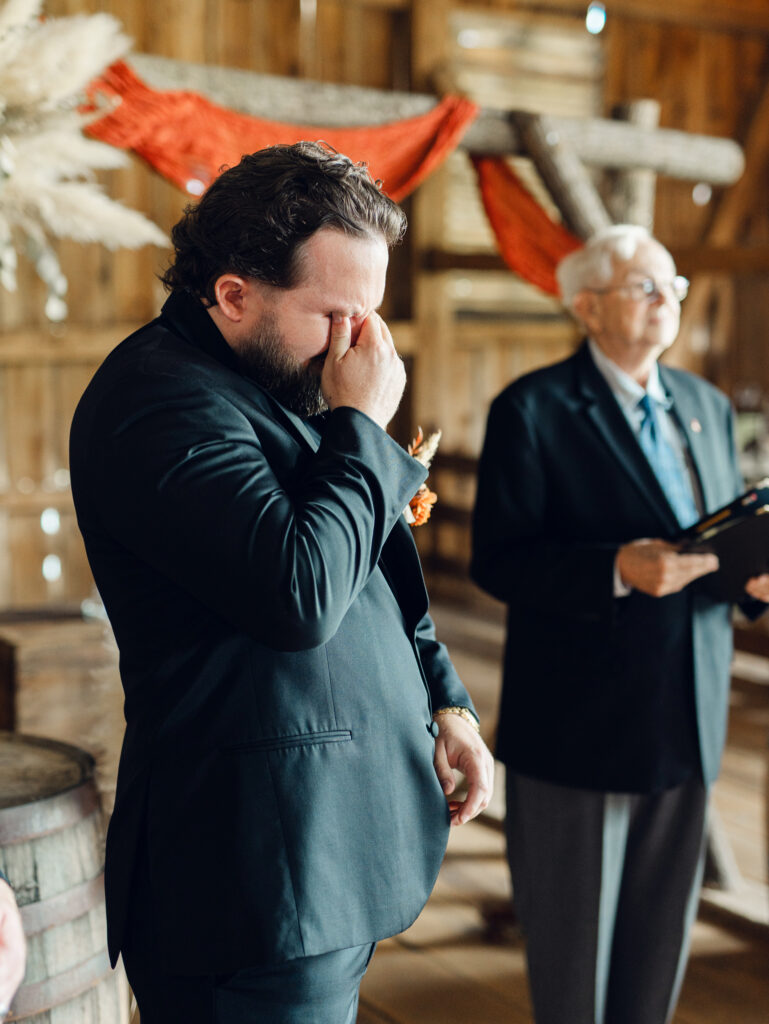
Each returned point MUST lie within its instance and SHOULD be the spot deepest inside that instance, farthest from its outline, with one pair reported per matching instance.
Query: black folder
(739, 534)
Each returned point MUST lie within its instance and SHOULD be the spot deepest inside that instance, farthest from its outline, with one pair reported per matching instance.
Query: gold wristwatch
(465, 713)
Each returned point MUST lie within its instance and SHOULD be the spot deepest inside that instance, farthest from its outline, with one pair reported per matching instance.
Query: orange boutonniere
(421, 505)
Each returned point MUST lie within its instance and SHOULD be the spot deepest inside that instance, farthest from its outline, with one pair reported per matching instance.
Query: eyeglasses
(650, 290)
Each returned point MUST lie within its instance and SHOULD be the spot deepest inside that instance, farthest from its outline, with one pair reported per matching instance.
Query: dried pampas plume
(46, 163)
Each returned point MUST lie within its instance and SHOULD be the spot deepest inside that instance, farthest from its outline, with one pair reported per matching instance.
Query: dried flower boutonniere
(421, 505)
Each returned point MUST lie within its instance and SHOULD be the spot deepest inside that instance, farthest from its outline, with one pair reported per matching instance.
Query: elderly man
(616, 670)
(291, 722)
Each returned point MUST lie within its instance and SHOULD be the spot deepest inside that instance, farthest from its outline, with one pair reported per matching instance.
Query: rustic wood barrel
(52, 851)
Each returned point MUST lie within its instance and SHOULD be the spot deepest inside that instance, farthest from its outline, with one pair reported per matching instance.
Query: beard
(265, 357)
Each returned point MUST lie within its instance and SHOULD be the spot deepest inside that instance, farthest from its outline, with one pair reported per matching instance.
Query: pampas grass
(46, 163)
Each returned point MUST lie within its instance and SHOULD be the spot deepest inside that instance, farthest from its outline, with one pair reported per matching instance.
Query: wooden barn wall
(709, 81)
(467, 334)
(44, 367)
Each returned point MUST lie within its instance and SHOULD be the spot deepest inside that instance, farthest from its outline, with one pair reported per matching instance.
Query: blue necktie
(666, 466)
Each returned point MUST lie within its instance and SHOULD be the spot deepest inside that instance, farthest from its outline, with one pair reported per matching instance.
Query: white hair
(593, 265)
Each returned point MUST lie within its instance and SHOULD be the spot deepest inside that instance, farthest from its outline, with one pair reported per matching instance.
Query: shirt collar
(628, 392)
(190, 319)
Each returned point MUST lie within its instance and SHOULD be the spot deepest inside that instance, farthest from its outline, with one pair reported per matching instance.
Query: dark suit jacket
(276, 653)
(621, 694)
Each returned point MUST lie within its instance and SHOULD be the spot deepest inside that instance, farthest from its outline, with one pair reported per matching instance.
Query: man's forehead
(649, 258)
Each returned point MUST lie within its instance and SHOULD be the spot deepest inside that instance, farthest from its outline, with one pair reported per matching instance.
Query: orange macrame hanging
(189, 139)
(530, 242)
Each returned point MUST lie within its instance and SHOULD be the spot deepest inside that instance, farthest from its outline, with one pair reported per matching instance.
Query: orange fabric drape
(530, 242)
(188, 138)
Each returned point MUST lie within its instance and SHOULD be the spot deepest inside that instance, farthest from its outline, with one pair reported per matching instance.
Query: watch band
(465, 713)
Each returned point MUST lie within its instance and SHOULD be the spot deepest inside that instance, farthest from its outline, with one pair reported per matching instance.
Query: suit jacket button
(433, 728)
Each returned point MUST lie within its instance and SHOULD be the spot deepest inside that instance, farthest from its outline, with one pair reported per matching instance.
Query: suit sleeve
(750, 607)
(184, 483)
(517, 557)
(446, 688)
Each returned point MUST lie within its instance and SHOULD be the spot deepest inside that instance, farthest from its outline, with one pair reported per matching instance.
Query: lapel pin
(696, 426)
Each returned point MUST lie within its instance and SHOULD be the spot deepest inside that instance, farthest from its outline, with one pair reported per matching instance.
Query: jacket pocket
(303, 739)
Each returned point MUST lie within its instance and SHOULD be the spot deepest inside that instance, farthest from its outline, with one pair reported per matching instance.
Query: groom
(291, 721)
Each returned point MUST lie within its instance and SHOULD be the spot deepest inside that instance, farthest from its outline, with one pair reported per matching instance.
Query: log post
(564, 174)
(633, 191)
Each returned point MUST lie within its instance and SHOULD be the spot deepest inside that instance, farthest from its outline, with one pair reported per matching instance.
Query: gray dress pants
(606, 887)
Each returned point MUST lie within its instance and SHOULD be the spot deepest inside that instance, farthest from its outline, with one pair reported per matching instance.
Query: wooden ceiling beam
(564, 174)
(385, 5)
(689, 260)
(718, 15)
(729, 259)
(597, 142)
(441, 259)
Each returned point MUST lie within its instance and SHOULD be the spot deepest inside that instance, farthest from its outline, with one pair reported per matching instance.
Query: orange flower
(423, 450)
(421, 505)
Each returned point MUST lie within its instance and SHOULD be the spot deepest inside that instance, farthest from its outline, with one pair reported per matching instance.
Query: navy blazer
(278, 660)
(620, 694)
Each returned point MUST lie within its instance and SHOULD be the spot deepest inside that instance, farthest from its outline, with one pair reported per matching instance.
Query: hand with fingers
(657, 568)
(758, 587)
(459, 746)
(365, 374)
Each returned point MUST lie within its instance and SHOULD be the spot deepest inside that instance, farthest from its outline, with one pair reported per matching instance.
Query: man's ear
(233, 294)
(583, 306)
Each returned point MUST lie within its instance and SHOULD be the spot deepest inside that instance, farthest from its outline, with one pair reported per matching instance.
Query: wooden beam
(690, 260)
(616, 144)
(512, 332)
(733, 208)
(385, 5)
(440, 259)
(727, 15)
(633, 191)
(69, 342)
(564, 174)
(727, 259)
(595, 141)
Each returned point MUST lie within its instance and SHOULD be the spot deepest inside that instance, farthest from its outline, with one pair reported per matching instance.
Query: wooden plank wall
(467, 333)
(711, 81)
(710, 77)
(44, 367)
(482, 328)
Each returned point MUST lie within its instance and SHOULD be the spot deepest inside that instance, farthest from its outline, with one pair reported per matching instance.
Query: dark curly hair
(254, 218)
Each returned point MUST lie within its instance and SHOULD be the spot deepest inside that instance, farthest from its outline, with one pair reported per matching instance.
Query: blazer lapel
(690, 420)
(400, 565)
(602, 409)
(187, 317)
(295, 423)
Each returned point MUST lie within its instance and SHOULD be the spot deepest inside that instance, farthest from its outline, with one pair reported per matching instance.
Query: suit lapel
(690, 420)
(399, 562)
(187, 317)
(602, 409)
(295, 423)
